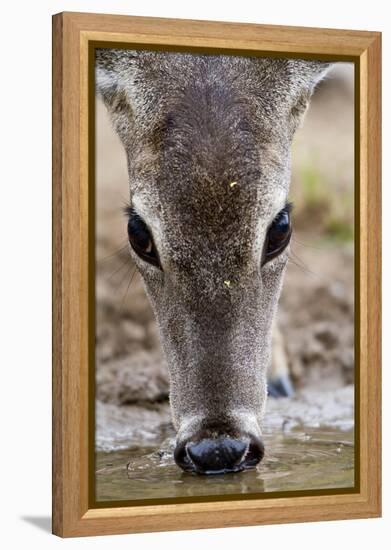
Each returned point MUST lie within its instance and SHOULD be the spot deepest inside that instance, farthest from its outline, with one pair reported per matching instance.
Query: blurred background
(316, 312)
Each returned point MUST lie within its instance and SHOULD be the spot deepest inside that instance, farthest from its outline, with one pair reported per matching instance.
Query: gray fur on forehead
(175, 69)
(202, 110)
(192, 124)
(146, 92)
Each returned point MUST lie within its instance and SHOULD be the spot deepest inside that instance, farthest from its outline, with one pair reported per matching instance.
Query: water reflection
(297, 460)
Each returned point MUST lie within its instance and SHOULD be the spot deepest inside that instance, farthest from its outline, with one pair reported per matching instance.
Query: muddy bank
(316, 313)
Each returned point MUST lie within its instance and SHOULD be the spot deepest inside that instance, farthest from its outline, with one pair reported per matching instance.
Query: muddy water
(301, 459)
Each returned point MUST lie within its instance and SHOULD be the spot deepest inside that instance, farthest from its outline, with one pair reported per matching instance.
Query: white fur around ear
(305, 75)
(317, 71)
(113, 72)
(109, 68)
(106, 82)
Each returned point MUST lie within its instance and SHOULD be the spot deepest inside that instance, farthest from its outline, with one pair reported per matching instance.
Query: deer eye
(278, 235)
(140, 238)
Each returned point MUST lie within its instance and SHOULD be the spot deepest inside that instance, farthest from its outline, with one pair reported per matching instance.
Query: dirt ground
(316, 311)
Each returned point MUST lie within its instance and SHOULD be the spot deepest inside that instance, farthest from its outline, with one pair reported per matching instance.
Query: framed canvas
(172, 160)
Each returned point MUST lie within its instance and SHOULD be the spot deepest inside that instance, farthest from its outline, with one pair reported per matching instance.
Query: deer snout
(219, 455)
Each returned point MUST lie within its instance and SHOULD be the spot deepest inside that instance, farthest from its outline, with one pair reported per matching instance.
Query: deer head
(208, 143)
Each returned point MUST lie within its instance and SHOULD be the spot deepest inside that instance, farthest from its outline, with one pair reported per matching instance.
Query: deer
(208, 147)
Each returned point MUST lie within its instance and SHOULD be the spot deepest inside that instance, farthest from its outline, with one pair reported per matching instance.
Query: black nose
(219, 456)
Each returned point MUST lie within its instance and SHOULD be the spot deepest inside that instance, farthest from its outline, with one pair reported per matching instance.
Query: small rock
(327, 334)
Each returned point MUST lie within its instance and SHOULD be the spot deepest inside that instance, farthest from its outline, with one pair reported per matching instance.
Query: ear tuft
(305, 75)
(113, 71)
(106, 84)
(106, 76)
(320, 71)
(312, 71)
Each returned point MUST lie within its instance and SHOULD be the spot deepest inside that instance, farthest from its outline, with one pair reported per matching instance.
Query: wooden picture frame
(74, 35)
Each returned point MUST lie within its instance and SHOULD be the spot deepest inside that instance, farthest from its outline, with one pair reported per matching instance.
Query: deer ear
(314, 71)
(107, 76)
(306, 75)
(114, 74)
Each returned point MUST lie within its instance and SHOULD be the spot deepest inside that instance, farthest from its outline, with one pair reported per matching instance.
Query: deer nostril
(217, 456)
(255, 452)
(181, 457)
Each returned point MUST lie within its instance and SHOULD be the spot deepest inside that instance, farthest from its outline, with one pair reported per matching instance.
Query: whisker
(292, 261)
(298, 262)
(116, 253)
(128, 271)
(126, 291)
(302, 243)
(118, 269)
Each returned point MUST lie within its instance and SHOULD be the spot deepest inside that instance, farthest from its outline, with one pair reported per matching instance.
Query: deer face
(208, 146)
